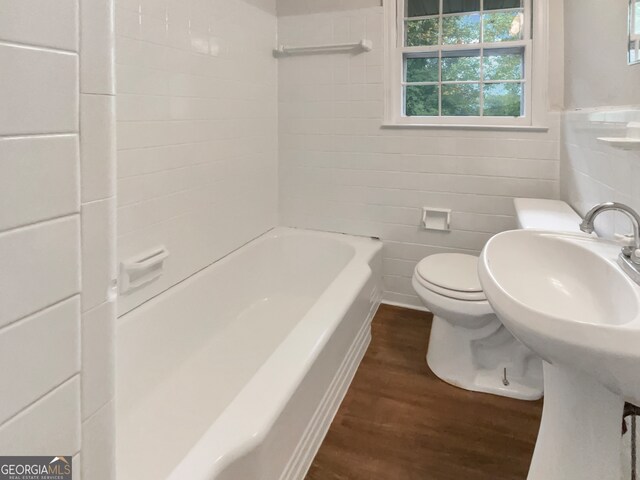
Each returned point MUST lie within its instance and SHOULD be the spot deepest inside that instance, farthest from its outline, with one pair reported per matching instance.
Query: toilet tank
(539, 214)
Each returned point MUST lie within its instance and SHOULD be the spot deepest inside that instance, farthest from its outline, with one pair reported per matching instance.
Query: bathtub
(237, 372)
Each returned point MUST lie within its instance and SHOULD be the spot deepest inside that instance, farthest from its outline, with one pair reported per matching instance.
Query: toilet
(468, 346)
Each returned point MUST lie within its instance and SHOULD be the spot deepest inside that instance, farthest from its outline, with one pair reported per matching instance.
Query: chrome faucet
(629, 258)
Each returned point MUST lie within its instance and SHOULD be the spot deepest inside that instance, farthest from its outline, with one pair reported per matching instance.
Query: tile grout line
(41, 397)
(41, 48)
(39, 223)
(28, 316)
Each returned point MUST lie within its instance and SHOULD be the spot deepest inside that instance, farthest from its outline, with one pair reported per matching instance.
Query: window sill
(442, 126)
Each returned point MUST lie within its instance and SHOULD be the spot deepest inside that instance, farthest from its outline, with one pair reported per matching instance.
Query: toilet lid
(451, 271)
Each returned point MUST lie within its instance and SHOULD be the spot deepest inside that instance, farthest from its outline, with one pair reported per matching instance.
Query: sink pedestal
(580, 432)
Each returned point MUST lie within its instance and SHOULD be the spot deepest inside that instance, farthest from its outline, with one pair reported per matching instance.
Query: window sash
(470, 12)
(480, 81)
(401, 20)
(399, 84)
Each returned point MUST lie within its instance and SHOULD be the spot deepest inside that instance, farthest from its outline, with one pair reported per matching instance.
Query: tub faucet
(629, 258)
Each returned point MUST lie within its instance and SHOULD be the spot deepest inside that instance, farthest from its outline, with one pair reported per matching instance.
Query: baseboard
(310, 442)
(405, 305)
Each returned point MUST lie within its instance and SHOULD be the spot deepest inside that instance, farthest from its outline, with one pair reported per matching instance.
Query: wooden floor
(400, 422)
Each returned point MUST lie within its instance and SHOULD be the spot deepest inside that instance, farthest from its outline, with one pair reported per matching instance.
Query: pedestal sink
(566, 298)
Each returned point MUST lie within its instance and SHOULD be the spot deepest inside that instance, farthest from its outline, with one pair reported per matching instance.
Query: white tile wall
(31, 105)
(197, 131)
(40, 22)
(98, 47)
(98, 363)
(38, 179)
(97, 146)
(593, 172)
(52, 334)
(340, 171)
(51, 424)
(48, 274)
(76, 467)
(98, 453)
(98, 253)
(40, 266)
(98, 210)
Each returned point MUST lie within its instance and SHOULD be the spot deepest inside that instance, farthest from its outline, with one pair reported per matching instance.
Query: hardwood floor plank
(398, 421)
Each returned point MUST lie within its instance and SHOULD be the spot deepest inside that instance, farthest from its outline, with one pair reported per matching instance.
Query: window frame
(634, 37)
(535, 44)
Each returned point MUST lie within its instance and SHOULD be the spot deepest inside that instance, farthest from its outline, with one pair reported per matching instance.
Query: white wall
(300, 7)
(340, 171)
(602, 96)
(596, 70)
(197, 131)
(593, 172)
(56, 232)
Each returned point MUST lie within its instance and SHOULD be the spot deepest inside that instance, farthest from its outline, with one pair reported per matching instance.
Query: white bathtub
(236, 373)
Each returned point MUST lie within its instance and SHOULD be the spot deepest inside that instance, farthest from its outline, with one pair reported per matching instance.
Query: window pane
(459, 6)
(461, 100)
(421, 101)
(460, 66)
(422, 8)
(461, 29)
(503, 26)
(503, 100)
(424, 69)
(637, 20)
(500, 4)
(422, 32)
(507, 64)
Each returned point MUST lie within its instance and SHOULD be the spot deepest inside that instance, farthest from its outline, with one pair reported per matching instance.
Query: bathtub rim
(278, 375)
(207, 458)
(358, 242)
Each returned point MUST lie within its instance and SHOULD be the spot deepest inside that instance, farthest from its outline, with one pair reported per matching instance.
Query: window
(460, 62)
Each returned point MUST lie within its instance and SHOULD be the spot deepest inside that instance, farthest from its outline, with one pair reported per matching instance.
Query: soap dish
(630, 142)
(624, 143)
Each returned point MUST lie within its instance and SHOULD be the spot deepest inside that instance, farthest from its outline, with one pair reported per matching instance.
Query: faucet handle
(634, 255)
(628, 245)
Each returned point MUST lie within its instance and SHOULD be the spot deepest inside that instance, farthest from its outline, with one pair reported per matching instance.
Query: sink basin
(565, 297)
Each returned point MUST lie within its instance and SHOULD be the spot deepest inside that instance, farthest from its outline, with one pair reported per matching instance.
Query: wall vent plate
(436, 219)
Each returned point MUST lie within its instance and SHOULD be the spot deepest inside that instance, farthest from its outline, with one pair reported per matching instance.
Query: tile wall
(593, 172)
(601, 98)
(340, 171)
(57, 235)
(197, 131)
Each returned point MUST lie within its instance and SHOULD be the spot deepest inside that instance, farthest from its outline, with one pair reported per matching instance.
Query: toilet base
(475, 360)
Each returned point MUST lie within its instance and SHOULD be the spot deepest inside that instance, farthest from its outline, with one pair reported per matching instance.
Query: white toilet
(469, 347)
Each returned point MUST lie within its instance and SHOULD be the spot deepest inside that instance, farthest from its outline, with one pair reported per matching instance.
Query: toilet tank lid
(540, 214)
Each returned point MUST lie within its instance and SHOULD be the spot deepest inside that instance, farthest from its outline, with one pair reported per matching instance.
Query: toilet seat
(453, 294)
(452, 275)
